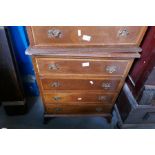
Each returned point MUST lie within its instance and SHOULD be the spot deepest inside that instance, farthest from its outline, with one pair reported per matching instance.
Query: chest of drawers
(80, 69)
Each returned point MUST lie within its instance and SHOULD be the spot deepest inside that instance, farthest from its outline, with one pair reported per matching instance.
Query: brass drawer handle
(111, 69)
(57, 98)
(53, 66)
(106, 85)
(99, 109)
(123, 33)
(102, 98)
(55, 84)
(54, 33)
(58, 109)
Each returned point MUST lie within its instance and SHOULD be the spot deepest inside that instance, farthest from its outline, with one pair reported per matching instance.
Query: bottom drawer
(91, 109)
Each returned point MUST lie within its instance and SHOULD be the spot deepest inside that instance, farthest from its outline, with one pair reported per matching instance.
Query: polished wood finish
(81, 77)
(84, 109)
(87, 52)
(85, 35)
(74, 67)
(104, 84)
(83, 97)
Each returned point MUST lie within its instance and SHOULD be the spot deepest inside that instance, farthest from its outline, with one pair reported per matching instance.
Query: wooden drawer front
(47, 66)
(85, 35)
(93, 109)
(79, 98)
(81, 84)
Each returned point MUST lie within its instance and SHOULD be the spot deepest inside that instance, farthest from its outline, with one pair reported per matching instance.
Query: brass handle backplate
(106, 85)
(54, 33)
(123, 33)
(57, 98)
(53, 66)
(55, 84)
(111, 69)
(102, 98)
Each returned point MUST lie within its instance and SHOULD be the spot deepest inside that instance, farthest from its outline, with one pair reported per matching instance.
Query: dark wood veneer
(78, 76)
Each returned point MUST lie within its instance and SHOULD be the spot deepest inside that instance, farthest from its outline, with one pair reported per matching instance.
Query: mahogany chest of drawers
(81, 69)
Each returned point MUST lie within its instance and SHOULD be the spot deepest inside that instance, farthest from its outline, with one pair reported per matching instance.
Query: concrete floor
(34, 120)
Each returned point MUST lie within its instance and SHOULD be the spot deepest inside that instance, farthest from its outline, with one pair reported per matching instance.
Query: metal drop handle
(102, 98)
(55, 84)
(53, 66)
(111, 69)
(123, 33)
(106, 85)
(57, 98)
(54, 33)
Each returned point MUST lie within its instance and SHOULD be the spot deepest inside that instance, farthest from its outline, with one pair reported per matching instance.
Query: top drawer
(46, 36)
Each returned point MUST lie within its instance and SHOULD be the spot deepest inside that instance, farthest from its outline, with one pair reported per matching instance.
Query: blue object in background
(20, 43)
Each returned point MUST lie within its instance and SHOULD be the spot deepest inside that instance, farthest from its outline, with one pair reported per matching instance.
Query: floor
(33, 119)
